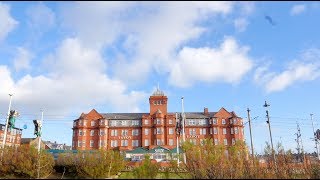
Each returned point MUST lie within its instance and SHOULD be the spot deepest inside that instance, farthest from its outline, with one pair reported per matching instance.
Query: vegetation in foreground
(207, 161)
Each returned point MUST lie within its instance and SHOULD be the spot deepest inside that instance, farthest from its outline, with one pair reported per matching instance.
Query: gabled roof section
(93, 114)
(223, 113)
(159, 112)
(233, 114)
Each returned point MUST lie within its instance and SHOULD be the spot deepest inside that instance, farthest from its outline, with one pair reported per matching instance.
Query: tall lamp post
(6, 126)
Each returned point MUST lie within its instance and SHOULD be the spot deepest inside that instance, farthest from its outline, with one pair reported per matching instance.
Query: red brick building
(127, 131)
(13, 136)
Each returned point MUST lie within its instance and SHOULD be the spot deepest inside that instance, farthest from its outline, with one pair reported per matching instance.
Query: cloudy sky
(70, 57)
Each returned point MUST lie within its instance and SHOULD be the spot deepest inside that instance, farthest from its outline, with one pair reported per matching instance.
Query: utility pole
(39, 143)
(298, 142)
(183, 130)
(314, 137)
(268, 122)
(6, 127)
(251, 136)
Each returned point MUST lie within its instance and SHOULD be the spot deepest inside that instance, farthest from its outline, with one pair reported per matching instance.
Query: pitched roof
(122, 115)
(26, 140)
(139, 150)
(165, 150)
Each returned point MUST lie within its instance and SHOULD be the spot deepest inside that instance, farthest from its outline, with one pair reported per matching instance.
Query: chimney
(205, 111)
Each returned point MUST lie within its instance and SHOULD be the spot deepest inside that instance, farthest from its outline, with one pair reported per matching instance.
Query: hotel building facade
(13, 136)
(128, 131)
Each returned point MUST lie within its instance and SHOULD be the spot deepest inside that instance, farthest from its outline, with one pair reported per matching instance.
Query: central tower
(158, 101)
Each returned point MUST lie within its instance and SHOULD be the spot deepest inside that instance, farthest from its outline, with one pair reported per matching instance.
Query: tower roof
(158, 92)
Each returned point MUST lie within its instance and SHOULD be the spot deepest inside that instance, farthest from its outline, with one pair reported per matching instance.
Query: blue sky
(71, 57)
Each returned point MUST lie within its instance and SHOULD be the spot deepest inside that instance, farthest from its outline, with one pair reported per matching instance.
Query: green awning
(139, 150)
(159, 149)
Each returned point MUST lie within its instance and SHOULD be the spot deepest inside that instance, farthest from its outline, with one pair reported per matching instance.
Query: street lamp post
(6, 126)
(268, 122)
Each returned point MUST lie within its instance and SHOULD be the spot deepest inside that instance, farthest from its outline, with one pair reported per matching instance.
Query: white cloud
(76, 81)
(7, 23)
(297, 9)
(151, 35)
(305, 69)
(22, 59)
(41, 17)
(227, 63)
(241, 24)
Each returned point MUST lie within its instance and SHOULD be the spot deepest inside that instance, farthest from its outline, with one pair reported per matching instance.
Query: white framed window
(210, 130)
(203, 131)
(146, 121)
(159, 131)
(83, 143)
(79, 143)
(80, 133)
(231, 130)
(224, 131)
(170, 130)
(223, 121)
(124, 123)
(146, 131)
(135, 132)
(135, 122)
(93, 123)
(92, 133)
(231, 121)
(158, 121)
(80, 123)
(146, 142)
(192, 131)
(124, 142)
(91, 143)
(124, 132)
(235, 130)
(135, 143)
(215, 130)
(192, 122)
(84, 122)
(170, 142)
(114, 132)
(102, 132)
(114, 143)
(113, 123)
(159, 142)
(214, 121)
(170, 121)
(233, 141)
(225, 141)
(235, 121)
(101, 122)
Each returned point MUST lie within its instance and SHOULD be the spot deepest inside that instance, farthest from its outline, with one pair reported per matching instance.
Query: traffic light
(12, 118)
(37, 127)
